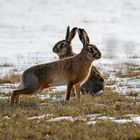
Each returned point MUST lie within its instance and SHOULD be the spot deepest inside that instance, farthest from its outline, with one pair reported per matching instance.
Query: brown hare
(95, 82)
(71, 71)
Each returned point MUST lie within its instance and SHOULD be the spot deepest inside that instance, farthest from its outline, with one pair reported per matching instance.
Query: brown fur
(71, 71)
(95, 81)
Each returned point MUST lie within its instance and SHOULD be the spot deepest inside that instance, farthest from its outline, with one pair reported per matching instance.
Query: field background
(30, 28)
(28, 31)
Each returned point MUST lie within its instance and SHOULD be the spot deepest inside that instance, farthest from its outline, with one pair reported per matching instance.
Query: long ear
(83, 36)
(72, 34)
(68, 33)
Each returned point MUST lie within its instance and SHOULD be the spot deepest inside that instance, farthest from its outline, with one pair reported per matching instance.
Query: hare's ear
(72, 34)
(83, 36)
(67, 33)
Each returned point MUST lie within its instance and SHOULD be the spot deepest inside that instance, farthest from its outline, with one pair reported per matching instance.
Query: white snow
(63, 118)
(125, 85)
(136, 119)
(3, 97)
(105, 118)
(37, 117)
(122, 121)
(30, 28)
(6, 117)
(91, 122)
(90, 119)
(6, 87)
(40, 117)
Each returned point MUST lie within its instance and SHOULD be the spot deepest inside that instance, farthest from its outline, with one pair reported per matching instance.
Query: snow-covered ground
(90, 119)
(30, 28)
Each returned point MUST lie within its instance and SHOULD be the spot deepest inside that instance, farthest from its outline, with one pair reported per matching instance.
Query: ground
(28, 31)
(47, 116)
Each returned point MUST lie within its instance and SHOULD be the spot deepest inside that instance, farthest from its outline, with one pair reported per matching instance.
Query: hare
(71, 72)
(95, 82)
(63, 48)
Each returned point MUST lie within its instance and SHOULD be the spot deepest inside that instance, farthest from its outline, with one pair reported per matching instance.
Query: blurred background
(30, 28)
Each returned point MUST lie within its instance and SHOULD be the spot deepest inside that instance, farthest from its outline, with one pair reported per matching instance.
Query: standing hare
(71, 72)
(95, 82)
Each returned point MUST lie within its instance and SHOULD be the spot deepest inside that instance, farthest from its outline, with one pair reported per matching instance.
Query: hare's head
(89, 50)
(64, 46)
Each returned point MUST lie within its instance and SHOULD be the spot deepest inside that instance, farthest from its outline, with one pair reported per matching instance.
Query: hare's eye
(91, 49)
(60, 47)
(63, 44)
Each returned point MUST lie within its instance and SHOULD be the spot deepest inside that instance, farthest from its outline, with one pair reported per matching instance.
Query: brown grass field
(15, 124)
(32, 118)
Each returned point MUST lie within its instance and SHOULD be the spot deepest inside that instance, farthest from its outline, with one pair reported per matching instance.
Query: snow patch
(90, 119)
(91, 122)
(122, 121)
(136, 119)
(63, 118)
(105, 118)
(40, 117)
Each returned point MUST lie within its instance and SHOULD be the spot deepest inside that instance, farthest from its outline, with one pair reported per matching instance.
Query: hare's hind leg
(73, 92)
(29, 85)
(17, 93)
(14, 97)
(69, 88)
(77, 87)
(17, 99)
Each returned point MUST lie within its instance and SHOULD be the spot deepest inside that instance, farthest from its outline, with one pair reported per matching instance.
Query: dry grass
(10, 79)
(6, 65)
(16, 125)
(132, 71)
(128, 74)
(134, 94)
(102, 130)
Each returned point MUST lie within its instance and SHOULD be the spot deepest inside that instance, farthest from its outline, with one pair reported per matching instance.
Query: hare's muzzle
(55, 50)
(98, 55)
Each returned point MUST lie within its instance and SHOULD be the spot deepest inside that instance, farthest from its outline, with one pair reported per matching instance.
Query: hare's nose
(98, 55)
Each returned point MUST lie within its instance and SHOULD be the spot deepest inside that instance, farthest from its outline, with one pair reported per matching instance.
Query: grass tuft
(10, 79)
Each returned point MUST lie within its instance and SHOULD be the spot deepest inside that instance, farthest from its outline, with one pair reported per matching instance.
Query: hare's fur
(71, 72)
(95, 82)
